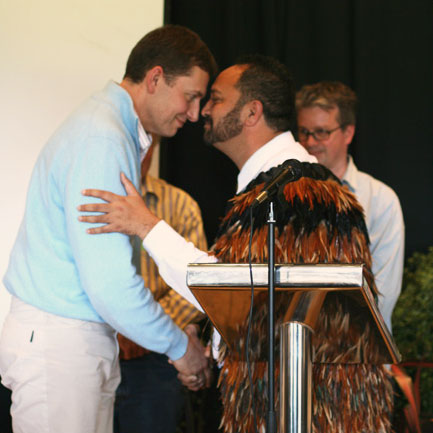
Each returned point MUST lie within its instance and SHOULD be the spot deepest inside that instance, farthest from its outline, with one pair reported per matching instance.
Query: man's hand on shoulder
(124, 214)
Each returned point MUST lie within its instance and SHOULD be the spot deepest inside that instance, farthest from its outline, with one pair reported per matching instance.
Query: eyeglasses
(318, 134)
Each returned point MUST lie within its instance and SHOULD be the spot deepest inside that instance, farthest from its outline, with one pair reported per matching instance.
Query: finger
(99, 193)
(189, 380)
(128, 185)
(94, 219)
(94, 207)
(103, 229)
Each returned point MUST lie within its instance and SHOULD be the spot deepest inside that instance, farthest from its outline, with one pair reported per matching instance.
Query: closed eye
(215, 100)
(191, 98)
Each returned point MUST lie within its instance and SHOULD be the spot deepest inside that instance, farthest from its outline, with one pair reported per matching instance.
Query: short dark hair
(328, 95)
(270, 82)
(175, 48)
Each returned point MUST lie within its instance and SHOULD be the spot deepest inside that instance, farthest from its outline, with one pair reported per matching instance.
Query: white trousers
(63, 373)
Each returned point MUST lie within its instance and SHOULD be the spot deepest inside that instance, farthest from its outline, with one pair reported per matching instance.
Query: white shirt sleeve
(172, 254)
(387, 250)
(385, 226)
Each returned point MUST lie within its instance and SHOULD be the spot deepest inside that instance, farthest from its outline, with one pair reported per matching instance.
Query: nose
(193, 110)
(309, 141)
(205, 110)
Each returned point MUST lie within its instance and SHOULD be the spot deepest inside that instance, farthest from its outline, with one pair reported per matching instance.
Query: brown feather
(347, 397)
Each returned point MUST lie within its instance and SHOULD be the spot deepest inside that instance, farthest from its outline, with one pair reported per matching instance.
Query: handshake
(195, 367)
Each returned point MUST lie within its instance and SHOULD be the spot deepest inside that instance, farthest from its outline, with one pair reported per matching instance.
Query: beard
(228, 127)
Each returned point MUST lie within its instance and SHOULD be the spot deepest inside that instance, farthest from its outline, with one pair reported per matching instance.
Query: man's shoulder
(375, 186)
(379, 200)
(98, 117)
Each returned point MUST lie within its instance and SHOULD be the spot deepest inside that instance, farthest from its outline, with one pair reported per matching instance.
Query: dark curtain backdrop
(382, 49)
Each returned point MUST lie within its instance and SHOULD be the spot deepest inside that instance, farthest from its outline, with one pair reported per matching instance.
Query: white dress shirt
(385, 225)
(145, 140)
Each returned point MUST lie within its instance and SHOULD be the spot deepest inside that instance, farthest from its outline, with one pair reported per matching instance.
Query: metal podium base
(295, 378)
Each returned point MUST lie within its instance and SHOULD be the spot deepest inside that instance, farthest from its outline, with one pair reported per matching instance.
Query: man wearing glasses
(326, 126)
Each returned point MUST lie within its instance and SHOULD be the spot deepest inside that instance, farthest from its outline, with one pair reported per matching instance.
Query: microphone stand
(271, 418)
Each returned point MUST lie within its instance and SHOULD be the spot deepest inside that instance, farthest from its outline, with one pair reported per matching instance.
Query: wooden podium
(223, 290)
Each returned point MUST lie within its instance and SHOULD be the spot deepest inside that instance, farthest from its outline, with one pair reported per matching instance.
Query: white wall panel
(53, 54)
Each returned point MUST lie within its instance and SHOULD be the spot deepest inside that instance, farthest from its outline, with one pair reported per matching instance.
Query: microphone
(290, 172)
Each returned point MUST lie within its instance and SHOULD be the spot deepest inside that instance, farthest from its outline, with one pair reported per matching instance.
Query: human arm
(106, 274)
(122, 214)
(128, 214)
(183, 214)
(386, 231)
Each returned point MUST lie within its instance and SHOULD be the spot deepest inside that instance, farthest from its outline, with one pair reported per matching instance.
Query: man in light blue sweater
(70, 291)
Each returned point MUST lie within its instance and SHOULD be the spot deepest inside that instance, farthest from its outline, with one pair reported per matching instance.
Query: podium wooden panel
(223, 290)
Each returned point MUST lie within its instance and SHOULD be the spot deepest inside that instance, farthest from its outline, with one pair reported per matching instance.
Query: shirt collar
(124, 104)
(144, 139)
(351, 175)
(273, 153)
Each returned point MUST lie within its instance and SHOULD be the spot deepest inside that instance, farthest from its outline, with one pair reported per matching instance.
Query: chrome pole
(295, 378)
(271, 419)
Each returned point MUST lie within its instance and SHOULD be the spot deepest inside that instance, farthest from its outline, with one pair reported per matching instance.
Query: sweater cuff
(178, 349)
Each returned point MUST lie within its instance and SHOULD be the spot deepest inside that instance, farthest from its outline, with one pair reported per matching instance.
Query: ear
(153, 77)
(349, 132)
(252, 112)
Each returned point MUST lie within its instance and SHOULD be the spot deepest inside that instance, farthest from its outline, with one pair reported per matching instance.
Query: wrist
(147, 225)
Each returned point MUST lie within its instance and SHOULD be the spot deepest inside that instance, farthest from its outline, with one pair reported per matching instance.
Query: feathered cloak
(318, 221)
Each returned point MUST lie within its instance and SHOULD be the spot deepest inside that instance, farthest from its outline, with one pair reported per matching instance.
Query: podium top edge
(279, 265)
(286, 275)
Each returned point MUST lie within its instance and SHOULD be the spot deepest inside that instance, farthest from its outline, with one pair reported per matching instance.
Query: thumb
(128, 185)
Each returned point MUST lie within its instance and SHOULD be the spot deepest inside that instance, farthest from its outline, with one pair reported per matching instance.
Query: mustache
(208, 121)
